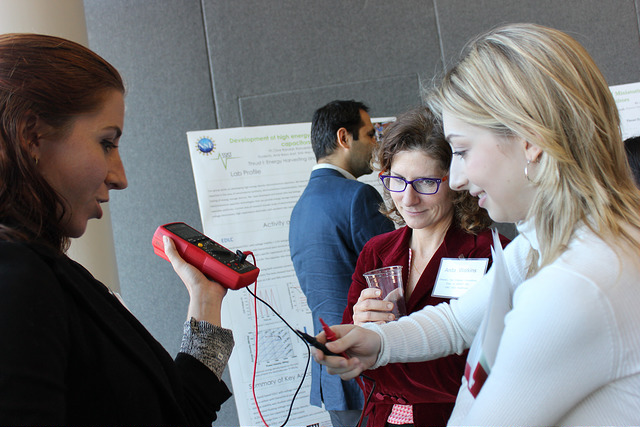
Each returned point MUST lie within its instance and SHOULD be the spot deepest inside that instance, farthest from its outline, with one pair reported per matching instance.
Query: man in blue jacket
(333, 219)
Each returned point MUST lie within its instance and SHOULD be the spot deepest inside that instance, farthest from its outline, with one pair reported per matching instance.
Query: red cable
(255, 357)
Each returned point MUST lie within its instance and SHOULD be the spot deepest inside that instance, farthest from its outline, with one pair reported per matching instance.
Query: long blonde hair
(540, 84)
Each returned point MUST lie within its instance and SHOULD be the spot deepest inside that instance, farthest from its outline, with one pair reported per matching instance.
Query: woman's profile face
(420, 210)
(85, 164)
(490, 167)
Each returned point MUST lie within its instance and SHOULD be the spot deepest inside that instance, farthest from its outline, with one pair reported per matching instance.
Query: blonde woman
(435, 223)
(553, 330)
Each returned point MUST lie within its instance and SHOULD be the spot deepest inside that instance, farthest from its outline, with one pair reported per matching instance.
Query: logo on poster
(206, 146)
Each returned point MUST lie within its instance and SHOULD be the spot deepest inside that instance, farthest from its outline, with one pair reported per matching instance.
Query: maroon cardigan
(431, 387)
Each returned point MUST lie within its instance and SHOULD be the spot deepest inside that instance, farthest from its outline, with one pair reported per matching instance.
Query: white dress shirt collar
(346, 174)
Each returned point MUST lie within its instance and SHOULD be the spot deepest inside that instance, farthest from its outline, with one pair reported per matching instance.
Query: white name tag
(457, 275)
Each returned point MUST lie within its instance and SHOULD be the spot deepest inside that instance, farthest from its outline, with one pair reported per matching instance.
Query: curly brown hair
(419, 130)
(53, 80)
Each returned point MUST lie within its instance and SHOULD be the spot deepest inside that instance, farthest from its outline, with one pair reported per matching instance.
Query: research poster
(247, 182)
(627, 98)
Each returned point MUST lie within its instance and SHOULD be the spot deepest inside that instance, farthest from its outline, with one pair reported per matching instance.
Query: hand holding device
(215, 261)
(331, 336)
(317, 344)
(205, 296)
(363, 346)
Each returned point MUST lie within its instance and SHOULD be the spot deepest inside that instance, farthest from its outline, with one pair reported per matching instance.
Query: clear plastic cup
(389, 281)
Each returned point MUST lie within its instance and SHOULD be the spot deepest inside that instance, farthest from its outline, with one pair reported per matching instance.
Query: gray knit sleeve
(208, 343)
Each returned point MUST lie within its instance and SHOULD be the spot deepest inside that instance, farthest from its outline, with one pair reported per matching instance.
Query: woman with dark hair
(632, 148)
(437, 223)
(72, 353)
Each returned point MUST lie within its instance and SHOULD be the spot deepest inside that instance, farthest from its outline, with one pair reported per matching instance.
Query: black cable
(306, 368)
(366, 402)
(274, 311)
(373, 387)
(304, 375)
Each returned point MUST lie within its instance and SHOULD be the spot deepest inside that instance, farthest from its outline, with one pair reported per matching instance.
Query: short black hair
(328, 119)
(632, 147)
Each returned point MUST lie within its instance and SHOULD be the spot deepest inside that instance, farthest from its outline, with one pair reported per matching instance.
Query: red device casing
(212, 259)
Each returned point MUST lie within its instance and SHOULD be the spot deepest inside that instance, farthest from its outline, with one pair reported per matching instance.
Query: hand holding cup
(372, 308)
(389, 281)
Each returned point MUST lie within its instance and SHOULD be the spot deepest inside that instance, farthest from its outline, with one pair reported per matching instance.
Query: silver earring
(526, 170)
(35, 159)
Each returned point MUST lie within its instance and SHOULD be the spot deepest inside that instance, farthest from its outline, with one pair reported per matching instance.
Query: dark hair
(419, 130)
(52, 80)
(632, 147)
(328, 119)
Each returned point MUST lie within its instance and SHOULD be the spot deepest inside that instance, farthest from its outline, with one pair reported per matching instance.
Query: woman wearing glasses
(552, 331)
(438, 223)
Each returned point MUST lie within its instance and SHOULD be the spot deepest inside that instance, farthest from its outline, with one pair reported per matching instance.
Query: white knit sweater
(569, 353)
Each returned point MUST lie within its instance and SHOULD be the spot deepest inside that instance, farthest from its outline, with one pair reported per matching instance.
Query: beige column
(65, 18)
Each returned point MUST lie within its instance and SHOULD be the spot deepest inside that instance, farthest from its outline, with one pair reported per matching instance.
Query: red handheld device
(215, 261)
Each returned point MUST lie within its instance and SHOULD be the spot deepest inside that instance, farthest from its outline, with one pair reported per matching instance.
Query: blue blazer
(330, 223)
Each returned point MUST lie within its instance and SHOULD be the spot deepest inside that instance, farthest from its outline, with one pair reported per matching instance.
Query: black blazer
(71, 353)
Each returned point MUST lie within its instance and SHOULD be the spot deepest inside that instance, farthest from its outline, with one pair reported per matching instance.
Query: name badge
(457, 275)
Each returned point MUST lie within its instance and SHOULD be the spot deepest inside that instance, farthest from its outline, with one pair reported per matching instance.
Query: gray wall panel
(259, 48)
(608, 30)
(384, 97)
(161, 54)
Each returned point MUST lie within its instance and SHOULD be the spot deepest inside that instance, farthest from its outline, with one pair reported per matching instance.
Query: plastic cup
(389, 281)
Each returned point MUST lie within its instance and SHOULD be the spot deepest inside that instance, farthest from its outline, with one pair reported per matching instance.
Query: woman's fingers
(370, 309)
(360, 345)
